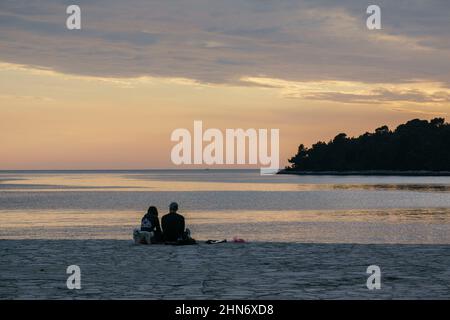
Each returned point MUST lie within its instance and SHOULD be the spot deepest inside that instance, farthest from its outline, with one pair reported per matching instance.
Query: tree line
(414, 145)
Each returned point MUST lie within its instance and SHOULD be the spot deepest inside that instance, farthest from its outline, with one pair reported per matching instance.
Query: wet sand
(118, 269)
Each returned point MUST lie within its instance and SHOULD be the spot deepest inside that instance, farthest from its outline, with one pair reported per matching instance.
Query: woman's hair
(152, 210)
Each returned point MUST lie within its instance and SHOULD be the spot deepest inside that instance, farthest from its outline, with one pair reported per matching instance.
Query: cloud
(224, 41)
(356, 92)
(383, 95)
(26, 98)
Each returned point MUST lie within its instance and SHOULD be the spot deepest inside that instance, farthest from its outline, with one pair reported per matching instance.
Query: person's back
(150, 223)
(173, 225)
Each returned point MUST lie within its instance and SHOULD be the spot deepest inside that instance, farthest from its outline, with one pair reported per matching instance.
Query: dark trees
(415, 145)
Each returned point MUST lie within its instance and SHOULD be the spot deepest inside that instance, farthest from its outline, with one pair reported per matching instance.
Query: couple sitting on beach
(173, 228)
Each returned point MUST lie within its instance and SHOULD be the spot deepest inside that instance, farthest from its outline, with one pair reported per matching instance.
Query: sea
(223, 204)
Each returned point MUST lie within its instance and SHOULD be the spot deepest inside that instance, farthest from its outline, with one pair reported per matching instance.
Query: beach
(119, 269)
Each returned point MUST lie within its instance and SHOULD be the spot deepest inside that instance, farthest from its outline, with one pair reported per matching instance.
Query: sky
(109, 95)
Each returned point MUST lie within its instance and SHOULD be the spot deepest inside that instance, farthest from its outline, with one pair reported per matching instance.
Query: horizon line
(147, 169)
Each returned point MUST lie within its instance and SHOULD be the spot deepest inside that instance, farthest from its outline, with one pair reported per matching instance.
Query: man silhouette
(173, 226)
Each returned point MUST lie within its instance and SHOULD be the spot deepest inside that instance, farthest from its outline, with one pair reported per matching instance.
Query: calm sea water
(221, 204)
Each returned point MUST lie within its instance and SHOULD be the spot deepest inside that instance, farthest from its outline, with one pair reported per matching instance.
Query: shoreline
(411, 173)
(417, 173)
(118, 269)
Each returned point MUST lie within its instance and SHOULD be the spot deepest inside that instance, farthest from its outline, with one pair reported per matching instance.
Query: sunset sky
(109, 95)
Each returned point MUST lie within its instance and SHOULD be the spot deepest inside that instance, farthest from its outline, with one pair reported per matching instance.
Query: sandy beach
(118, 269)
